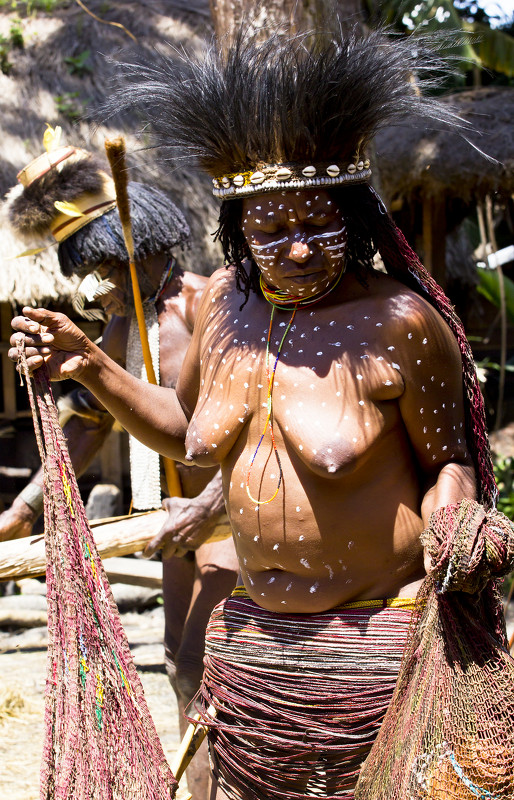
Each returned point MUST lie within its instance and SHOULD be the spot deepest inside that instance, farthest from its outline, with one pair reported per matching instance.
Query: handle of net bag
(468, 546)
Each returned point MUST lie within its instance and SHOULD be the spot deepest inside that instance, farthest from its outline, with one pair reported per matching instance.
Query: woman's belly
(323, 542)
(288, 592)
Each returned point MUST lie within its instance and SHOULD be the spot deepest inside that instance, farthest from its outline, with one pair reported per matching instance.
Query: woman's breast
(230, 393)
(329, 423)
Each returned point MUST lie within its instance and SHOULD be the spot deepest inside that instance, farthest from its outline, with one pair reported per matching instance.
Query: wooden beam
(22, 618)
(134, 571)
(25, 558)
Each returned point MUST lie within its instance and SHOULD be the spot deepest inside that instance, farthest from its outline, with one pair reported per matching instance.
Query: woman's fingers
(24, 339)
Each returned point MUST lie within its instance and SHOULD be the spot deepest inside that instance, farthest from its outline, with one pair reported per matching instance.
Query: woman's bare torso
(345, 523)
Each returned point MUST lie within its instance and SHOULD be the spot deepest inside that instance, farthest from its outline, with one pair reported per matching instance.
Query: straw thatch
(41, 81)
(416, 162)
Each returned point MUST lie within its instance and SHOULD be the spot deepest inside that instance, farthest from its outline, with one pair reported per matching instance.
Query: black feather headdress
(289, 112)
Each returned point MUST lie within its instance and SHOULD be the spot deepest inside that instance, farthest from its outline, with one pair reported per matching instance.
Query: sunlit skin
(367, 408)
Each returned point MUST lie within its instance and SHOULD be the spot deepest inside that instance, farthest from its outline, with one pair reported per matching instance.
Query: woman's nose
(300, 252)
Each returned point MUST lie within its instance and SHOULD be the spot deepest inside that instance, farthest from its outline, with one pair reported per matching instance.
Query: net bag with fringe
(100, 741)
(449, 731)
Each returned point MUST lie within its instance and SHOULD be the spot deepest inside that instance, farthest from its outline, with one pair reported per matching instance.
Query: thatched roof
(414, 161)
(41, 82)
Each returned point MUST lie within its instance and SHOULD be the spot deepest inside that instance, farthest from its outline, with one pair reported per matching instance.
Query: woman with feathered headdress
(330, 392)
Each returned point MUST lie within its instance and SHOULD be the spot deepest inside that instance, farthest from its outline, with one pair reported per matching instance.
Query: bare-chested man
(205, 571)
(329, 393)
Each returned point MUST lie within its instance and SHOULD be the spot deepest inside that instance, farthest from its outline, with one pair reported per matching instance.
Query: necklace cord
(269, 407)
(282, 300)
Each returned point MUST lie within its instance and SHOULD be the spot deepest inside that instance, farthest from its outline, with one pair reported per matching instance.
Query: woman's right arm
(153, 414)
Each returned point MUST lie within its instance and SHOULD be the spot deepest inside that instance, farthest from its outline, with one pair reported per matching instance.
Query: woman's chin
(308, 285)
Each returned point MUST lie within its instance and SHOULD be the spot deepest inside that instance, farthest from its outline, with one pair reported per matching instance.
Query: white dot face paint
(309, 231)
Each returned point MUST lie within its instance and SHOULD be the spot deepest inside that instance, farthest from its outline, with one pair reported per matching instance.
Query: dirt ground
(22, 670)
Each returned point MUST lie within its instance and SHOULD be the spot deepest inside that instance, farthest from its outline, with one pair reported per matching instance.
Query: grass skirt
(299, 697)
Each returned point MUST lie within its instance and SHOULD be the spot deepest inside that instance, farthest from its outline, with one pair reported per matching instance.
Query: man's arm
(86, 425)
(153, 414)
(85, 437)
(191, 520)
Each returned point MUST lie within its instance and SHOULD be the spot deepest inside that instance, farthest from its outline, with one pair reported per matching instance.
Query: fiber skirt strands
(449, 731)
(299, 697)
(100, 741)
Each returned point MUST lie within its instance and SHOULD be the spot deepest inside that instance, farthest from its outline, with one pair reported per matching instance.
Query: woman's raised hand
(51, 338)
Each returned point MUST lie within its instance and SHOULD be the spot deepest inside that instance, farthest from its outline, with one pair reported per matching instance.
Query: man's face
(297, 239)
(119, 299)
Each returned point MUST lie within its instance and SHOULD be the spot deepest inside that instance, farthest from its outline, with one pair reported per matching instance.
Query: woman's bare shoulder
(220, 283)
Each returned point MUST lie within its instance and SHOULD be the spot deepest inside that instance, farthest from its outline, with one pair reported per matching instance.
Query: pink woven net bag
(100, 741)
(448, 733)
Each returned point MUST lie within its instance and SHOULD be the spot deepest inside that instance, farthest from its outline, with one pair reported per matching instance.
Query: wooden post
(25, 558)
(293, 15)
(8, 372)
(111, 460)
(434, 238)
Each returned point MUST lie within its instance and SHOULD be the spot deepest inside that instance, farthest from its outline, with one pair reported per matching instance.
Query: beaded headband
(271, 178)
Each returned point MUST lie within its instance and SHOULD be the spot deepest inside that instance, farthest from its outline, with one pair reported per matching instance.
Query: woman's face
(297, 239)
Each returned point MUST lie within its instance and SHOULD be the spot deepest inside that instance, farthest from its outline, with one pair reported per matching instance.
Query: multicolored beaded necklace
(165, 279)
(284, 301)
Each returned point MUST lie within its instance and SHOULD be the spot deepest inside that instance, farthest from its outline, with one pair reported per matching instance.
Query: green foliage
(490, 289)
(27, 7)
(15, 39)
(5, 64)
(69, 106)
(472, 41)
(77, 65)
(504, 474)
(16, 34)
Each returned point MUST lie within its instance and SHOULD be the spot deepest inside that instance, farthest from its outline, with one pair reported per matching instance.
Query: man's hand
(53, 339)
(189, 525)
(16, 522)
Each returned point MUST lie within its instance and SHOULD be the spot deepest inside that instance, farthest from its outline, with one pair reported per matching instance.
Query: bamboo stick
(191, 741)
(115, 149)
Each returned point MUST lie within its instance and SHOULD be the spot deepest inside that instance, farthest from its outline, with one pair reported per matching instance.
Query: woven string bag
(448, 733)
(100, 741)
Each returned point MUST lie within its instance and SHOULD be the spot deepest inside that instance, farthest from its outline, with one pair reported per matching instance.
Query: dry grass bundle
(13, 703)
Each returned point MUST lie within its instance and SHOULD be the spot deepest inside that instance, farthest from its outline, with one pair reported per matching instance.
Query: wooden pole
(25, 558)
(119, 536)
(434, 237)
(191, 741)
(8, 371)
(503, 314)
(115, 149)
